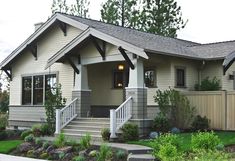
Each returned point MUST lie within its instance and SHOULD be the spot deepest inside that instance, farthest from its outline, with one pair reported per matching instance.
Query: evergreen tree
(163, 17)
(79, 8)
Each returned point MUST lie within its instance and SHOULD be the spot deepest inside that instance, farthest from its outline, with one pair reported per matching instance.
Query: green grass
(9, 145)
(227, 138)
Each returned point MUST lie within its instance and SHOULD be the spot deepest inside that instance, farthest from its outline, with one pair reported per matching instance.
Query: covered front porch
(108, 74)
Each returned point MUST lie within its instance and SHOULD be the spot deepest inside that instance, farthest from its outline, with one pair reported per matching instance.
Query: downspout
(202, 66)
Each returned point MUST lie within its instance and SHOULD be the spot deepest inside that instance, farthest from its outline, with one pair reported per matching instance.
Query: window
(149, 78)
(34, 88)
(180, 77)
(26, 92)
(120, 79)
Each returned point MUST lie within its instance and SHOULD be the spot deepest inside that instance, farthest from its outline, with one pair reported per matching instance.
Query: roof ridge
(196, 43)
(213, 43)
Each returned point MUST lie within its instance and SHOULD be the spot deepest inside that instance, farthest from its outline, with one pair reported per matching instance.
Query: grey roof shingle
(161, 44)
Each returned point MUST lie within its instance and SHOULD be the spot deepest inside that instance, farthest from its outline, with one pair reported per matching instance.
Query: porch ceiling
(89, 33)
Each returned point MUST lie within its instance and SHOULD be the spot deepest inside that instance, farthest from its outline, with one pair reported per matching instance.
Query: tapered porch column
(82, 92)
(136, 88)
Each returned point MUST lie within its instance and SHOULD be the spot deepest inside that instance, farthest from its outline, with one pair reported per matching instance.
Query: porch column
(82, 92)
(136, 88)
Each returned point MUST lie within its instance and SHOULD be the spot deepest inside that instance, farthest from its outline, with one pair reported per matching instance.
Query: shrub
(104, 153)
(26, 133)
(30, 138)
(36, 130)
(105, 133)
(85, 142)
(120, 154)
(164, 139)
(208, 155)
(3, 135)
(44, 155)
(60, 141)
(208, 85)
(38, 141)
(200, 123)
(3, 121)
(130, 132)
(45, 130)
(161, 123)
(169, 152)
(45, 145)
(205, 140)
(79, 158)
(175, 106)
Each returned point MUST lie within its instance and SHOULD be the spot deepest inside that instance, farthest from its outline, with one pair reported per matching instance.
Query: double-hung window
(180, 77)
(35, 87)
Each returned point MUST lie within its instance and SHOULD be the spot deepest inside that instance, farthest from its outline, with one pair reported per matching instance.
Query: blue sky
(209, 20)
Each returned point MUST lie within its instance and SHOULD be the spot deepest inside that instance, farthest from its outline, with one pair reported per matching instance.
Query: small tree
(54, 100)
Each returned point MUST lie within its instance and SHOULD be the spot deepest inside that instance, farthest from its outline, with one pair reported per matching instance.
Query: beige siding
(100, 83)
(36, 114)
(48, 44)
(227, 84)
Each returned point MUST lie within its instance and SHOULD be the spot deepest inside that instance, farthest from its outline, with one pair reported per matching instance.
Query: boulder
(64, 150)
(50, 148)
(83, 153)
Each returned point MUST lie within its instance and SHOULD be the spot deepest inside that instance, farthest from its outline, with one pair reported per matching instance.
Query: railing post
(113, 125)
(57, 127)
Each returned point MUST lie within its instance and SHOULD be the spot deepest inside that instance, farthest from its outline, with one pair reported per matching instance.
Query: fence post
(112, 124)
(57, 127)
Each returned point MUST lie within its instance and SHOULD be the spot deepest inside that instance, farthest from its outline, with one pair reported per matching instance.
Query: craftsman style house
(102, 66)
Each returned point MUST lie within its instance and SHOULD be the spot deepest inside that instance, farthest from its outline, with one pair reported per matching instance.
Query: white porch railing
(120, 116)
(65, 115)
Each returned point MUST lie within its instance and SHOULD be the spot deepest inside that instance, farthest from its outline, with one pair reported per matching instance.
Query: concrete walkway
(4, 157)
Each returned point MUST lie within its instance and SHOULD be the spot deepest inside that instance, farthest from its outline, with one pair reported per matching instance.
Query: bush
(130, 132)
(3, 135)
(45, 130)
(161, 123)
(30, 138)
(44, 155)
(85, 142)
(169, 152)
(208, 85)
(60, 141)
(36, 130)
(105, 133)
(200, 123)
(165, 139)
(38, 141)
(45, 145)
(3, 121)
(205, 141)
(25, 133)
(208, 155)
(120, 154)
(79, 158)
(104, 153)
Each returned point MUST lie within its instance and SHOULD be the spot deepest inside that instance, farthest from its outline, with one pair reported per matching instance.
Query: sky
(208, 20)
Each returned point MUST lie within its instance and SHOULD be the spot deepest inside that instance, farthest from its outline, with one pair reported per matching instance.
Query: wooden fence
(218, 106)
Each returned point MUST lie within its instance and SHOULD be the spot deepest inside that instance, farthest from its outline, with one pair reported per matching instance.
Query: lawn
(227, 138)
(9, 145)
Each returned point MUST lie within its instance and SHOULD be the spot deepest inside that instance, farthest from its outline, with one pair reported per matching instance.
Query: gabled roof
(138, 41)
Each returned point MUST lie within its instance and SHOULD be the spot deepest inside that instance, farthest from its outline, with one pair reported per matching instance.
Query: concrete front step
(89, 123)
(94, 138)
(140, 157)
(82, 131)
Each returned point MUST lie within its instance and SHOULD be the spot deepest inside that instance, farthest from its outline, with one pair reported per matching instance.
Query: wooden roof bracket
(8, 73)
(33, 50)
(129, 62)
(63, 27)
(97, 46)
(73, 65)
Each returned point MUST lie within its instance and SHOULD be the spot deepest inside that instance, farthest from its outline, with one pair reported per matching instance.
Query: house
(103, 65)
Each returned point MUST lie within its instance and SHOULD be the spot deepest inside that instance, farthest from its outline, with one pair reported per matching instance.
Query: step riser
(87, 128)
(81, 132)
(90, 124)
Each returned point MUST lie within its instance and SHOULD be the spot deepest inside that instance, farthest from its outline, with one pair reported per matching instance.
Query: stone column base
(144, 126)
(83, 105)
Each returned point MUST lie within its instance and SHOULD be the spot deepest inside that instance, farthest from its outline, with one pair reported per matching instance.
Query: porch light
(120, 67)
